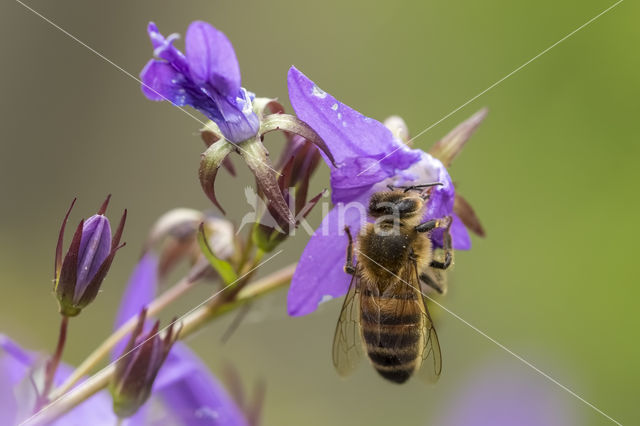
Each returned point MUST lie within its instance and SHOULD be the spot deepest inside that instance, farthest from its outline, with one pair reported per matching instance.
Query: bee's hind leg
(349, 268)
(431, 283)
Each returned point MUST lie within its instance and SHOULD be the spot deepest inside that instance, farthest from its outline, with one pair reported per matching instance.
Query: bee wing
(431, 356)
(347, 345)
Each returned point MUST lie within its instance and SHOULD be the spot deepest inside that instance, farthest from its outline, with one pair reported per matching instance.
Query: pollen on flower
(334, 107)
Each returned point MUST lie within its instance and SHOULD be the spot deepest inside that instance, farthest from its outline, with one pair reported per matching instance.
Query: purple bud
(137, 368)
(79, 276)
(95, 246)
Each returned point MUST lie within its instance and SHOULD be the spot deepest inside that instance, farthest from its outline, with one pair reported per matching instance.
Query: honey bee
(385, 311)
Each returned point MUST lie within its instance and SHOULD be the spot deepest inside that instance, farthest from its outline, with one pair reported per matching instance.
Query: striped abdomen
(392, 327)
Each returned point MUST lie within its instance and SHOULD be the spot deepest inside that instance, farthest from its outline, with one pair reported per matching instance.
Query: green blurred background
(552, 173)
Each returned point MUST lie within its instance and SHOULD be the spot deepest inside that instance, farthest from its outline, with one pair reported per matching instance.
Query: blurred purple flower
(77, 278)
(368, 158)
(18, 373)
(206, 78)
(184, 390)
(503, 396)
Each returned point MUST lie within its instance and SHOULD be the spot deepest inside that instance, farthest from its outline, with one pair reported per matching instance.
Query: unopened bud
(79, 276)
(137, 368)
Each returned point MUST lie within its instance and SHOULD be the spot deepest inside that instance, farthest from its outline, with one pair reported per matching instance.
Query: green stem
(189, 324)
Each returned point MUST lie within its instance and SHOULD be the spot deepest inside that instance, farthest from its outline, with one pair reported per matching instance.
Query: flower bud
(79, 276)
(138, 367)
(174, 238)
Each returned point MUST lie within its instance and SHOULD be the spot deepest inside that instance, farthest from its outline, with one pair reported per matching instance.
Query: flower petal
(500, 395)
(191, 394)
(140, 291)
(164, 48)
(16, 365)
(348, 133)
(95, 246)
(212, 59)
(364, 150)
(325, 253)
(161, 81)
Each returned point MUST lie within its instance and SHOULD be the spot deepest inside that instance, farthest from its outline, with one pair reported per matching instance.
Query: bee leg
(432, 224)
(431, 283)
(448, 253)
(424, 278)
(349, 268)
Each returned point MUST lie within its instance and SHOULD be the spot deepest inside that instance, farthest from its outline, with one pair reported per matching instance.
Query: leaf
(221, 266)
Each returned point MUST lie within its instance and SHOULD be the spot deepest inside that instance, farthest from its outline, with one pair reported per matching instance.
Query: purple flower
(502, 396)
(184, 390)
(367, 159)
(206, 78)
(79, 276)
(19, 370)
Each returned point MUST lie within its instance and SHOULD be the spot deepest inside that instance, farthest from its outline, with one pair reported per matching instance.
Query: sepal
(210, 162)
(447, 148)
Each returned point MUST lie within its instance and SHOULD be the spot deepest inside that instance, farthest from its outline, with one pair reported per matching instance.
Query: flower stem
(191, 323)
(54, 362)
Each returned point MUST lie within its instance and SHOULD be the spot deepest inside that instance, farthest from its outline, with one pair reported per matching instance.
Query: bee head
(395, 203)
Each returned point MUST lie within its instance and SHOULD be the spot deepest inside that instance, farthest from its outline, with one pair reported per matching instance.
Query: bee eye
(383, 208)
(407, 206)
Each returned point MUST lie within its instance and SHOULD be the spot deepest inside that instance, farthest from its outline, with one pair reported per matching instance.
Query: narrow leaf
(223, 267)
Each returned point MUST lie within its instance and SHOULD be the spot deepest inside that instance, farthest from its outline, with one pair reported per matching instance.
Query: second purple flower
(207, 78)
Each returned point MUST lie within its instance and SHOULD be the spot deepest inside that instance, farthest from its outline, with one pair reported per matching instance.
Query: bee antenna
(421, 186)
